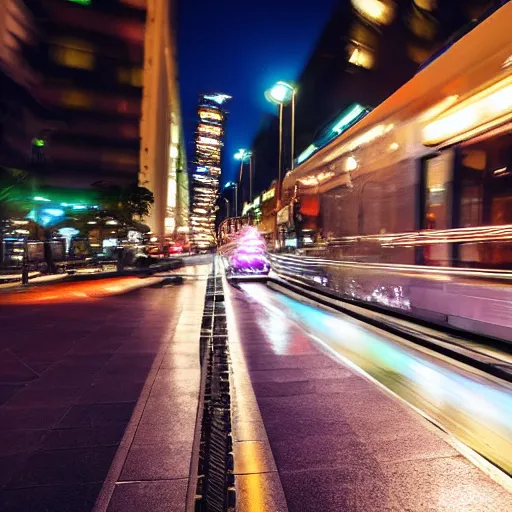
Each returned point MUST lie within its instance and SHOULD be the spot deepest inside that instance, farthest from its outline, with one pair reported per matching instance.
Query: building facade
(162, 155)
(206, 170)
(98, 104)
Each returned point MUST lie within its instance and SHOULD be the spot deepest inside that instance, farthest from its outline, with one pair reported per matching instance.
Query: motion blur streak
(73, 292)
(474, 407)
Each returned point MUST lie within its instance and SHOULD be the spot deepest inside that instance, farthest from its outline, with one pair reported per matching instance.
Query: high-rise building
(207, 168)
(105, 94)
(162, 156)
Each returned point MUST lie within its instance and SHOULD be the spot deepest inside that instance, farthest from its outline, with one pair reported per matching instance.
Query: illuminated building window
(119, 158)
(210, 115)
(73, 53)
(360, 56)
(427, 5)
(380, 12)
(74, 98)
(422, 25)
(208, 140)
(209, 129)
(130, 76)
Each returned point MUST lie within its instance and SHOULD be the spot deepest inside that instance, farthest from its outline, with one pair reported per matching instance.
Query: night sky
(242, 48)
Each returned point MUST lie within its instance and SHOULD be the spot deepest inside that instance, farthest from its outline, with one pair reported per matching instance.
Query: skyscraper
(207, 168)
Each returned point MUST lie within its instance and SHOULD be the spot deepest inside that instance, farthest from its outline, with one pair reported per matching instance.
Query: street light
(243, 155)
(234, 185)
(281, 94)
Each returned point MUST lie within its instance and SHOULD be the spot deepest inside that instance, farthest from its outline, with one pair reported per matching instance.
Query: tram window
(438, 191)
(486, 182)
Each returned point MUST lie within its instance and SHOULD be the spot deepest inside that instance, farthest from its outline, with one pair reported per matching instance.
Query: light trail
(474, 407)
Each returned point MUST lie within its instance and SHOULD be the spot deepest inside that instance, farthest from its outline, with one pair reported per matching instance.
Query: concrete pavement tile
(61, 498)
(156, 496)
(282, 428)
(419, 444)
(301, 407)
(61, 438)
(7, 391)
(32, 396)
(87, 360)
(336, 490)
(311, 361)
(260, 492)
(341, 385)
(157, 434)
(269, 389)
(13, 370)
(19, 441)
(131, 361)
(98, 393)
(157, 462)
(449, 484)
(60, 375)
(286, 375)
(74, 466)
(168, 414)
(321, 451)
(10, 465)
(181, 361)
(253, 457)
(97, 415)
(95, 346)
(14, 418)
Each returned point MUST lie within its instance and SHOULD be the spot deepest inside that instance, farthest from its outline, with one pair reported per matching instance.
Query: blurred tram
(411, 208)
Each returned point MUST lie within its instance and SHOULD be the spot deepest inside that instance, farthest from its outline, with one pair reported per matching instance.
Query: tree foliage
(125, 204)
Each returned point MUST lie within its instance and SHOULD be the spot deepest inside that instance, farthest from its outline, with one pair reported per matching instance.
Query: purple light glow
(249, 255)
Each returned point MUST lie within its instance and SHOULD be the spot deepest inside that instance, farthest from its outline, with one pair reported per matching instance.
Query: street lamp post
(233, 185)
(243, 155)
(227, 207)
(281, 94)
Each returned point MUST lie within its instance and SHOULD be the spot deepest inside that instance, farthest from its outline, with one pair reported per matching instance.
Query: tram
(411, 207)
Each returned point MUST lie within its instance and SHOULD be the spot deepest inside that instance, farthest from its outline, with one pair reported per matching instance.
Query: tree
(124, 203)
(137, 201)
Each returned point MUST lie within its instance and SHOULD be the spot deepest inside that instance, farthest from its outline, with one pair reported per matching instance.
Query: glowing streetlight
(243, 156)
(281, 94)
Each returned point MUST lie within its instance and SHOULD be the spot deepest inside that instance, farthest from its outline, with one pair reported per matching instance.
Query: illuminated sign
(269, 194)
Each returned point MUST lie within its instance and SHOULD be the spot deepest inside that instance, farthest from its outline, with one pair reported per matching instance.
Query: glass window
(438, 191)
(73, 53)
(486, 182)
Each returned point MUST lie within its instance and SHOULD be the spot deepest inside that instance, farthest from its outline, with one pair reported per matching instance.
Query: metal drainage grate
(215, 483)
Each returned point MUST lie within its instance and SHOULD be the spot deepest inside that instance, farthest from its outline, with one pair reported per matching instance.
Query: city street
(100, 393)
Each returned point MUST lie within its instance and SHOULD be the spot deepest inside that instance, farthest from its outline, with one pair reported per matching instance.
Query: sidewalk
(313, 435)
(99, 401)
(86, 275)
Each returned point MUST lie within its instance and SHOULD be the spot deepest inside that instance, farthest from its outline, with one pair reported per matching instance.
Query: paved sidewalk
(75, 375)
(310, 426)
